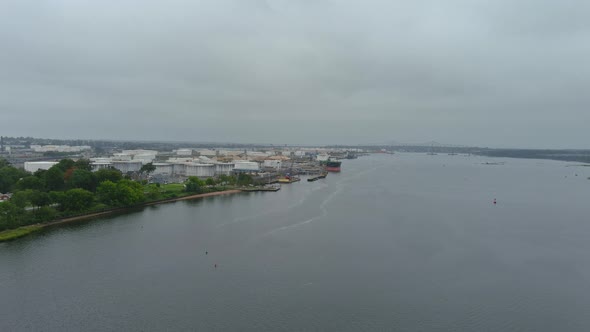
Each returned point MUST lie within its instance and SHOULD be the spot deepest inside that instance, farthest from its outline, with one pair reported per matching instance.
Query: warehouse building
(33, 166)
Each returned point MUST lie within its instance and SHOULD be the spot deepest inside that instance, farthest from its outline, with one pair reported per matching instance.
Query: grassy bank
(25, 230)
(12, 234)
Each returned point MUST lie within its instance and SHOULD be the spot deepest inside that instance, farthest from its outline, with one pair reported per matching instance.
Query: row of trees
(196, 185)
(69, 187)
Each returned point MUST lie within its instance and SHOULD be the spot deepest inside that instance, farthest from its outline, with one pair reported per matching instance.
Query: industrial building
(200, 170)
(163, 168)
(270, 163)
(33, 166)
(98, 165)
(246, 166)
(127, 166)
(184, 152)
(224, 168)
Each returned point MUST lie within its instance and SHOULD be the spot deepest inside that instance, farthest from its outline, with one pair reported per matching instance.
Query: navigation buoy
(206, 253)
(494, 201)
(215, 265)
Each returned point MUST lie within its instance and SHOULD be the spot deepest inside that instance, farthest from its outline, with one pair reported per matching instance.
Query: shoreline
(16, 233)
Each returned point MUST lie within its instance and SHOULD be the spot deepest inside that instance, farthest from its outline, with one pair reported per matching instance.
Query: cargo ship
(333, 166)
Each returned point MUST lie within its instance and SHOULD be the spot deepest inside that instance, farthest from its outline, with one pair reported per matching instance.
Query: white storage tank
(223, 168)
(144, 158)
(122, 156)
(200, 170)
(179, 168)
(127, 166)
(163, 168)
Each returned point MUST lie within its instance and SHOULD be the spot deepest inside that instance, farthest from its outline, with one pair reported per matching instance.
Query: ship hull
(333, 166)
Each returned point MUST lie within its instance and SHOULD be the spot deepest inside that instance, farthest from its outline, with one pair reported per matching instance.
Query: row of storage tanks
(183, 168)
(194, 169)
(176, 168)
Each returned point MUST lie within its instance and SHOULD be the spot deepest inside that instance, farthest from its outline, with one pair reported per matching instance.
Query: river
(404, 242)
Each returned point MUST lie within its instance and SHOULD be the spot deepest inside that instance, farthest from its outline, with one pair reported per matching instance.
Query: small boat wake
(340, 185)
(276, 230)
(276, 210)
(323, 214)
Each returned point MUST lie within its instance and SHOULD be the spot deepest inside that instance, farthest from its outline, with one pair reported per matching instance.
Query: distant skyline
(315, 72)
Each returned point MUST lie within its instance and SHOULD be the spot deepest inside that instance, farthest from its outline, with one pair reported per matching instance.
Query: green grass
(172, 187)
(12, 234)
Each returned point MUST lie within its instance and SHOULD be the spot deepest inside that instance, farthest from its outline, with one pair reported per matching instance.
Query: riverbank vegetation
(70, 188)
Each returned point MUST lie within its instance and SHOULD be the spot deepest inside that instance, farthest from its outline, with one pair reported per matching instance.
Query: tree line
(70, 188)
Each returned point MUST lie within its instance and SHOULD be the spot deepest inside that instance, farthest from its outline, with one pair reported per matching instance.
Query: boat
(333, 166)
(288, 179)
(315, 178)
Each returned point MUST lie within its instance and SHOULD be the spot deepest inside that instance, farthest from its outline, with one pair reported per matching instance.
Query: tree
(9, 176)
(193, 184)
(40, 173)
(210, 182)
(54, 178)
(65, 164)
(123, 193)
(4, 163)
(152, 192)
(30, 182)
(82, 179)
(77, 200)
(226, 179)
(147, 168)
(22, 199)
(44, 214)
(83, 164)
(110, 174)
(107, 193)
(130, 192)
(39, 198)
(244, 179)
(56, 197)
(10, 216)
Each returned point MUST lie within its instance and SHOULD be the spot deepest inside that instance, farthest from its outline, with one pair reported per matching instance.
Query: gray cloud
(496, 73)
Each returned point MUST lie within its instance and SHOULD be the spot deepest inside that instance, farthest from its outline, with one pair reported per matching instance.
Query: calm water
(405, 242)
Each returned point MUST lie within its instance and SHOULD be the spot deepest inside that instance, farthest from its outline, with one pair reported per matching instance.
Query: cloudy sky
(498, 73)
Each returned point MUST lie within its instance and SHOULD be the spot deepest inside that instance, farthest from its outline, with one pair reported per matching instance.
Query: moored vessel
(333, 166)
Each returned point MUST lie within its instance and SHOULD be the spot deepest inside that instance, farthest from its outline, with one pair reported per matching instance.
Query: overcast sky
(498, 73)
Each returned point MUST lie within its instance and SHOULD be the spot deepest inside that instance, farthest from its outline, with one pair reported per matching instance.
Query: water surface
(406, 242)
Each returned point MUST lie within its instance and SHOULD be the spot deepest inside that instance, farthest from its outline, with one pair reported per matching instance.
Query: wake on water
(275, 210)
(339, 187)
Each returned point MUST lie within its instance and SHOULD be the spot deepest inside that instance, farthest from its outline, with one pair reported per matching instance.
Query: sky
(496, 73)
